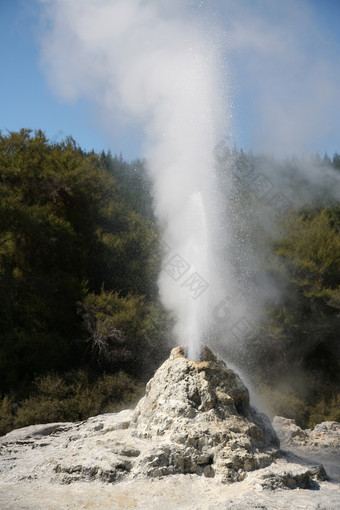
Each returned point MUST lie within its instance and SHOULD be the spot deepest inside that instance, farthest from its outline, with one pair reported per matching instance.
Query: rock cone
(195, 419)
(200, 413)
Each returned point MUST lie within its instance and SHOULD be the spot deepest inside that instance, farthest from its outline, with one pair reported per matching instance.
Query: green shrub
(125, 332)
(70, 397)
(306, 413)
(6, 415)
(326, 409)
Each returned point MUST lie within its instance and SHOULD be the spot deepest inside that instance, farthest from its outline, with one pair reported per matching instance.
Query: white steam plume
(140, 58)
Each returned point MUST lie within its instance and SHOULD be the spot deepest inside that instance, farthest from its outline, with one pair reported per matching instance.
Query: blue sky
(25, 98)
(284, 78)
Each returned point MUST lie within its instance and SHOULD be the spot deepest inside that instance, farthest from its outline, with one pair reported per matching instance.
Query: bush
(6, 415)
(306, 413)
(126, 333)
(69, 397)
(326, 409)
(70, 223)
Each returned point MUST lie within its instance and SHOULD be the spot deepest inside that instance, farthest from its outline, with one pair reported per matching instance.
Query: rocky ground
(193, 442)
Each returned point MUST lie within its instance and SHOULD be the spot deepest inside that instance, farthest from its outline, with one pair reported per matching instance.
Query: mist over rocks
(324, 435)
(194, 420)
(321, 444)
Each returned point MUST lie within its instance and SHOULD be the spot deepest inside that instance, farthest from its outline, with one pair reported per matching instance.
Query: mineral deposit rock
(200, 414)
(195, 420)
(322, 444)
(324, 435)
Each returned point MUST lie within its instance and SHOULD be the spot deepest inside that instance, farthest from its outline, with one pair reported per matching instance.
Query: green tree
(336, 161)
(66, 229)
(125, 332)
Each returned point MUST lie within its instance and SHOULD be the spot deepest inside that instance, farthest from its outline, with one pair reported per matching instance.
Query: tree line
(289, 218)
(79, 262)
(81, 325)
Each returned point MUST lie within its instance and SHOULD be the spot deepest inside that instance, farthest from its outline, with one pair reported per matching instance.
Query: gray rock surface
(324, 435)
(322, 444)
(199, 413)
(195, 424)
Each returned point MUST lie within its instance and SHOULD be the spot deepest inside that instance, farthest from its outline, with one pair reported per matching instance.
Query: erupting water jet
(161, 73)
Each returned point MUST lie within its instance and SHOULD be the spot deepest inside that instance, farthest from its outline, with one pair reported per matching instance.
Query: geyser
(158, 70)
(186, 200)
(195, 419)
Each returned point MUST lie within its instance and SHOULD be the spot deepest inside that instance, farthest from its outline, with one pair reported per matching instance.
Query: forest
(82, 328)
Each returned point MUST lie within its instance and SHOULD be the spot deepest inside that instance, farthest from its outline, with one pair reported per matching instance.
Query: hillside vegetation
(81, 325)
(289, 216)
(78, 270)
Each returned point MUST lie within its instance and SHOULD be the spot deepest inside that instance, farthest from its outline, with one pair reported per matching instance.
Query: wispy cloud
(147, 62)
(285, 67)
